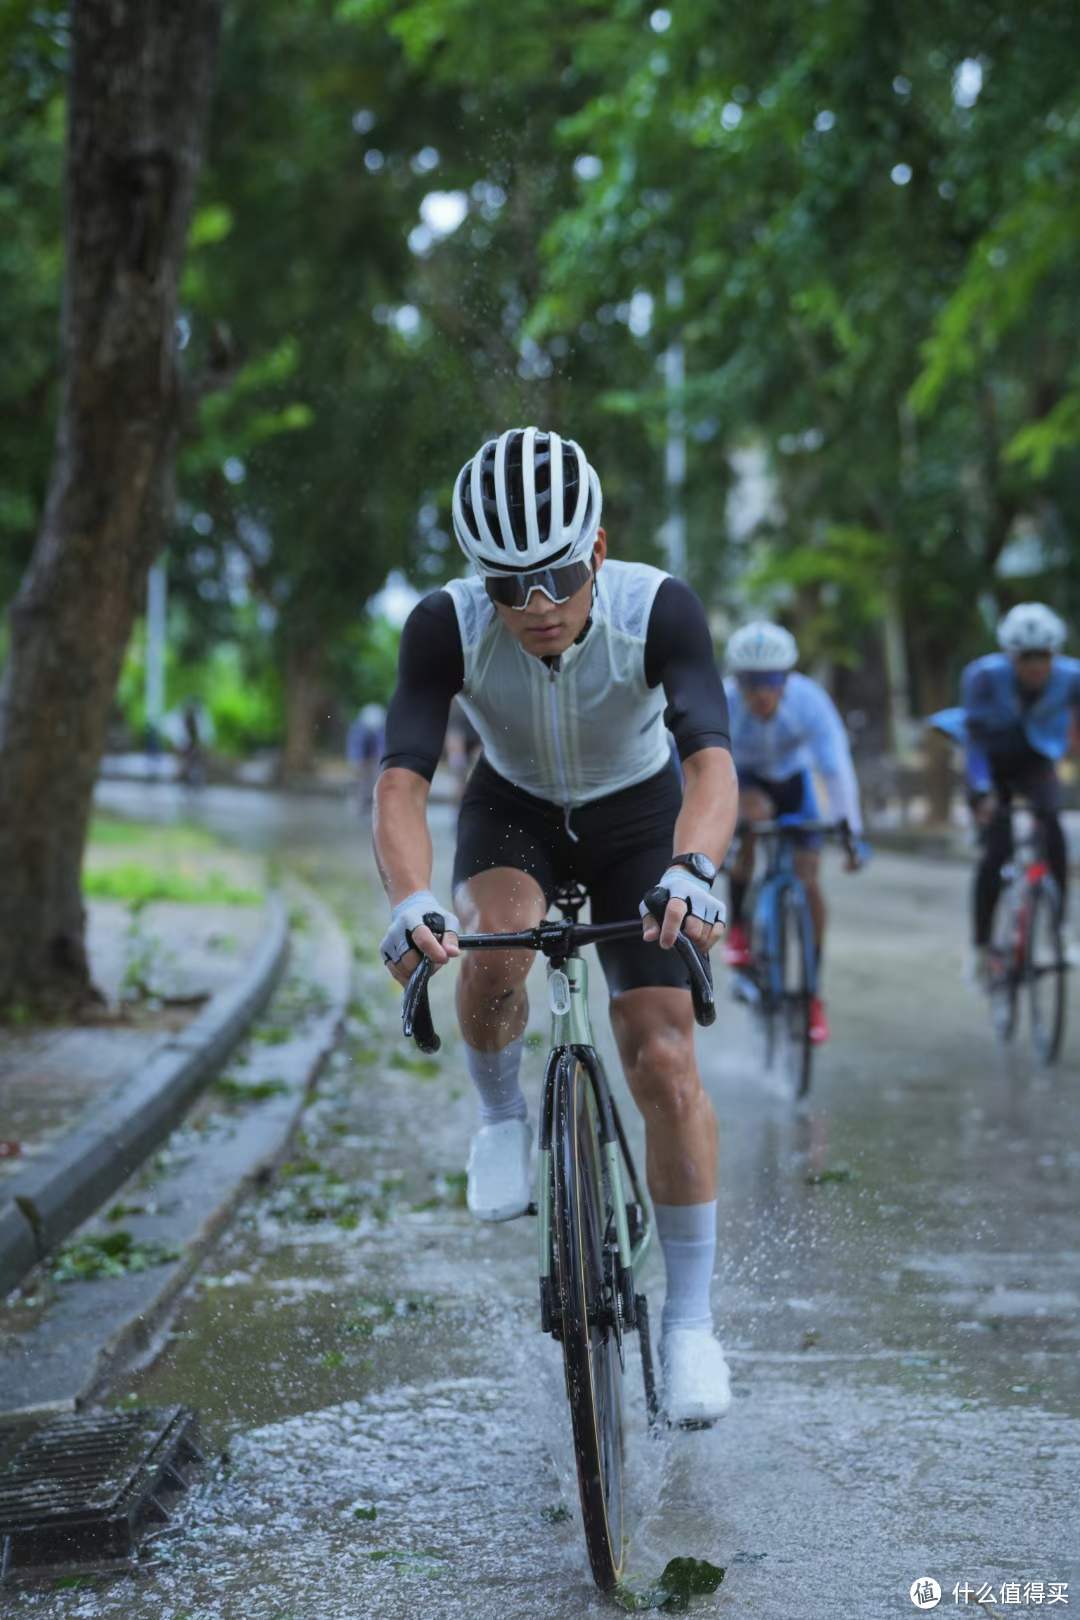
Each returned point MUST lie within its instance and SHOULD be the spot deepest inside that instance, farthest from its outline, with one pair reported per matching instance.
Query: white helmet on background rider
(526, 500)
(1031, 627)
(761, 648)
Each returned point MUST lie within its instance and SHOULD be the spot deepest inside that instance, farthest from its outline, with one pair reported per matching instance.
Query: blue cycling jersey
(805, 733)
(993, 715)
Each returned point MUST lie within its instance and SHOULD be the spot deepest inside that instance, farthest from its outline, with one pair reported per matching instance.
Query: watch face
(700, 865)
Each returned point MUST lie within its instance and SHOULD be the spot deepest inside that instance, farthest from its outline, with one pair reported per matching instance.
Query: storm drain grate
(84, 1490)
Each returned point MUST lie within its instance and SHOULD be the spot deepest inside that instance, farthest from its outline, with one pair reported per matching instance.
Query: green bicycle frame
(568, 998)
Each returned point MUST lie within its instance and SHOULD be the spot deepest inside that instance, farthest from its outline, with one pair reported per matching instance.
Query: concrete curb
(99, 1153)
(92, 1330)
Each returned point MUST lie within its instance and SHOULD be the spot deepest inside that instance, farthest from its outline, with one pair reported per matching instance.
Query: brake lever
(416, 1021)
(695, 961)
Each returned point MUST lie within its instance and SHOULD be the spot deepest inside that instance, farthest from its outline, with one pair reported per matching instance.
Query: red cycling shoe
(737, 947)
(819, 1023)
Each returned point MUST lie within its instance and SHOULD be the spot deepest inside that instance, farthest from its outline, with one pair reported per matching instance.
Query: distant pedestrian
(192, 756)
(363, 750)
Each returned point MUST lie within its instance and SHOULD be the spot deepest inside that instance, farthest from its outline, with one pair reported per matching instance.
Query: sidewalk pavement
(67, 1332)
(81, 1105)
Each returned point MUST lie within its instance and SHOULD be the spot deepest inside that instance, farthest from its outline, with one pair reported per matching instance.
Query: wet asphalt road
(898, 1287)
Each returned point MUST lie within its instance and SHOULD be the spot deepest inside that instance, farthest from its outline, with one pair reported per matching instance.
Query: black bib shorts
(624, 844)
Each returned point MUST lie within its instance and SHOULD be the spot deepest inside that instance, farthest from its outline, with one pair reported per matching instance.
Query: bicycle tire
(766, 1009)
(1004, 976)
(590, 1344)
(1045, 971)
(796, 965)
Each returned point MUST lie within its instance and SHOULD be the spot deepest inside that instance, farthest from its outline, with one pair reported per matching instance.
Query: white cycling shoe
(697, 1383)
(499, 1185)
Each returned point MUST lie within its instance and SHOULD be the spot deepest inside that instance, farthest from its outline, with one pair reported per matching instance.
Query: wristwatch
(699, 865)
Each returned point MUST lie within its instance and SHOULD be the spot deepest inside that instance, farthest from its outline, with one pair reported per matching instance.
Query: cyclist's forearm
(710, 806)
(400, 833)
(977, 768)
(842, 787)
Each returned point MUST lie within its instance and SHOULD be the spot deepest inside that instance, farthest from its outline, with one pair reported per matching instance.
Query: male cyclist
(1018, 708)
(783, 725)
(569, 667)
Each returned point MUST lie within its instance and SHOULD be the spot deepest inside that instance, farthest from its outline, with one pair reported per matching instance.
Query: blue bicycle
(781, 980)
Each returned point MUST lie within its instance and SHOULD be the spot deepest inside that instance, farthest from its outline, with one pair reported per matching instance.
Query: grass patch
(271, 1034)
(424, 1068)
(112, 832)
(450, 1193)
(138, 884)
(111, 1254)
(308, 1192)
(249, 1091)
(296, 1002)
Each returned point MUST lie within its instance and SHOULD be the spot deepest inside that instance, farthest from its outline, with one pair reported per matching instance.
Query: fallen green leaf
(682, 1579)
(108, 1254)
(818, 1178)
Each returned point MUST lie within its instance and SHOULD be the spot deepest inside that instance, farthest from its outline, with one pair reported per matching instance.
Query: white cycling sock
(687, 1234)
(495, 1076)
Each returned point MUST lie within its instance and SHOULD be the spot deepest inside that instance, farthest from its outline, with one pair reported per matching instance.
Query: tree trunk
(139, 94)
(937, 690)
(305, 704)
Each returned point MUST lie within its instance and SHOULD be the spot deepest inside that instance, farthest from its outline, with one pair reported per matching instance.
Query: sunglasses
(558, 584)
(762, 680)
(1033, 655)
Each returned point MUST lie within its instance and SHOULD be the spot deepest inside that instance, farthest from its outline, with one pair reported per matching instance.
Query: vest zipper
(553, 675)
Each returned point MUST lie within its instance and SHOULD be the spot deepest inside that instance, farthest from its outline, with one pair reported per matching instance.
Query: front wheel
(1006, 953)
(1046, 971)
(589, 1306)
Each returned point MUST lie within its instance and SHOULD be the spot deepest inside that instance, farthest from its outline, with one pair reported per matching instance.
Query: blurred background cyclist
(1018, 713)
(784, 726)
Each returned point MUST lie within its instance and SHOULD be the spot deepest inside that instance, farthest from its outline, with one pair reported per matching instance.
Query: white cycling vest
(585, 730)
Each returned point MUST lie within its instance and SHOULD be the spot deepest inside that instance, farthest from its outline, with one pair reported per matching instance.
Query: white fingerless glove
(409, 914)
(700, 901)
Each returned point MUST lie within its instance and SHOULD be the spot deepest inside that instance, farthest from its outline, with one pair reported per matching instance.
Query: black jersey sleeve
(679, 654)
(431, 670)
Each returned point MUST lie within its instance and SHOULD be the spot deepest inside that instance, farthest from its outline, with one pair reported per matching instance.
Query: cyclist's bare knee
(753, 806)
(808, 867)
(501, 899)
(491, 1001)
(654, 1029)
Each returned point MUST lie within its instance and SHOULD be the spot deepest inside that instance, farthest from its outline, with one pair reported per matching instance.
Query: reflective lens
(761, 679)
(559, 584)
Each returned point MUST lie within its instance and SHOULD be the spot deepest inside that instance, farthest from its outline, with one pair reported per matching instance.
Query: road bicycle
(1026, 950)
(595, 1225)
(781, 980)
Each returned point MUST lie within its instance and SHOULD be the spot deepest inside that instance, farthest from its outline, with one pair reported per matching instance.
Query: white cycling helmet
(762, 648)
(526, 500)
(1031, 627)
